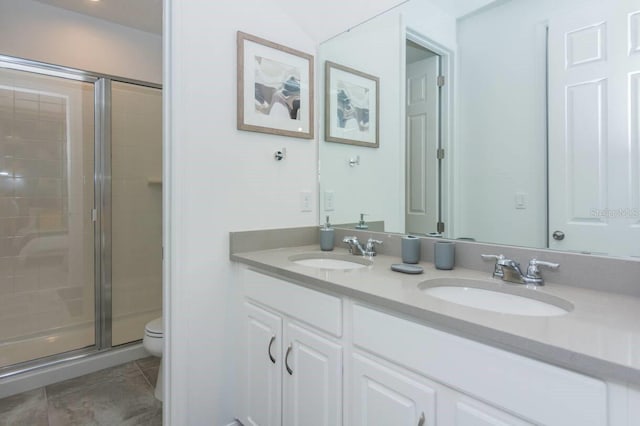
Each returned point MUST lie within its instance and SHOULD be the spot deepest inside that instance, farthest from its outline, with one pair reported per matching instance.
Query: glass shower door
(47, 273)
(136, 209)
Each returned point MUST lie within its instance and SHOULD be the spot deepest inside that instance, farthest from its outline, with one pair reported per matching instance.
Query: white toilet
(153, 341)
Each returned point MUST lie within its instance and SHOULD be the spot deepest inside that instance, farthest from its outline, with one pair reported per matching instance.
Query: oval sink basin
(502, 298)
(330, 261)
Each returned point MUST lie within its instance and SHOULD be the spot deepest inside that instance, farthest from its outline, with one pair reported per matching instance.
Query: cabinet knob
(286, 360)
(422, 420)
(273, 339)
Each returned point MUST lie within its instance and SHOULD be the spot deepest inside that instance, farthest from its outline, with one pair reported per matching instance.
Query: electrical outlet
(305, 201)
(329, 199)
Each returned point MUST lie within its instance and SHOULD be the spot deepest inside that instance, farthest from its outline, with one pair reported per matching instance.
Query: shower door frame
(101, 214)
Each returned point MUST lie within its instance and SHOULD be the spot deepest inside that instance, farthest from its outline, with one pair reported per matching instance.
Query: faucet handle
(534, 267)
(492, 256)
(351, 241)
(370, 249)
(497, 270)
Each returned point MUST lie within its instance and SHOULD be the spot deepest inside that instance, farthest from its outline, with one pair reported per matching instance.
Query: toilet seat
(154, 328)
(153, 342)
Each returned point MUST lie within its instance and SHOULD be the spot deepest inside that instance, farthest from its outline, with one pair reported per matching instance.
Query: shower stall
(80, 213)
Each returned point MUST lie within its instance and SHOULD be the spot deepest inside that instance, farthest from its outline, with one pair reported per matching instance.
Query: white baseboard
(68, 370)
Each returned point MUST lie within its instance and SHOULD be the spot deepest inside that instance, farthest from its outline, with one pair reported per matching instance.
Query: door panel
(381, 397)
(46, 230)
(261, 377)
(136, 217)
(313, 389)
(422, 143)
(594, 153)
(477, 414)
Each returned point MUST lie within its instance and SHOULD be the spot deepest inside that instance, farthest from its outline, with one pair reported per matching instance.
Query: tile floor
(122, 395)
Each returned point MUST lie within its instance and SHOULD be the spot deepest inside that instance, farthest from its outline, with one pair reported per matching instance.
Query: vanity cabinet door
(470, 412)
(381, 396)
(262, 373)
(312, 379)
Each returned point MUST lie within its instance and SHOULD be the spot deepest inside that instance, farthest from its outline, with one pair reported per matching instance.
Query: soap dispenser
(327, 236)
(362, 224)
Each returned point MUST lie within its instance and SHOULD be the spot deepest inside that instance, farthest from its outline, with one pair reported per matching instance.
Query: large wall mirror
(511, 121)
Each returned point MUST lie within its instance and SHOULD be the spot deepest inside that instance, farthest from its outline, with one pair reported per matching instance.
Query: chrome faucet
(370, 250)
(497, 269)
(511, 271)
(354, 245)
(356, 248)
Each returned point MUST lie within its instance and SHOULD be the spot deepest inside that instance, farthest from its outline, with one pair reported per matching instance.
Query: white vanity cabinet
(291, 372)
(383, 395)
(262, 367)
(514, 389)
(312, 379)
(312, 358)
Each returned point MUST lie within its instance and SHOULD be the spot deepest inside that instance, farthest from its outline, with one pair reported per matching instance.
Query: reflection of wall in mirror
(377, 185)
(501, 115)
(358, 189)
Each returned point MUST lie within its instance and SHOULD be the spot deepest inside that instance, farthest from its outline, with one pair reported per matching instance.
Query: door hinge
(440, 153)
(94, 215)
(440, 80)
(440, 227)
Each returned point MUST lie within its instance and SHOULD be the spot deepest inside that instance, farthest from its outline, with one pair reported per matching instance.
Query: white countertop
(600, 336)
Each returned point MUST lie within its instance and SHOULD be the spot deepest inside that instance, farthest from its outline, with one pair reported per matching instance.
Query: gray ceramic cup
(410, 249)
(444, 254)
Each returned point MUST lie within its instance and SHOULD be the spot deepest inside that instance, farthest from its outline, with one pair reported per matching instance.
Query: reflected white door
(594, 129)
(422, 144)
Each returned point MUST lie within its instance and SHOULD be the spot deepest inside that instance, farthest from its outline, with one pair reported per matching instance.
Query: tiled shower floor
(121, 395)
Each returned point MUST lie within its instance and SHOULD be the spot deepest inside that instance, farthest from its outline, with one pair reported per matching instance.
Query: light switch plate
(521, 201)
(305, 201)
(329, 201)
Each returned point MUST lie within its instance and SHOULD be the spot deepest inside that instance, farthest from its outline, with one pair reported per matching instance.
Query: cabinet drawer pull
(286, 360)
(422, 420)
(273, 339)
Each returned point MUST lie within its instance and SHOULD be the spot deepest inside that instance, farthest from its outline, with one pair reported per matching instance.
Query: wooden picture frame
(352, 106)
(275, 88)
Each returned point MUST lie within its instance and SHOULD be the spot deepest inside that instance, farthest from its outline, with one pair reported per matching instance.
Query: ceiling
(460, 8)
(144, 15)
(416, 53)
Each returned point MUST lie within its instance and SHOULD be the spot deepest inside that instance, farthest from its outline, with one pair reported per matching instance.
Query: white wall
(501, 139)
(222, 179)
(32, 30)
(431, 21)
